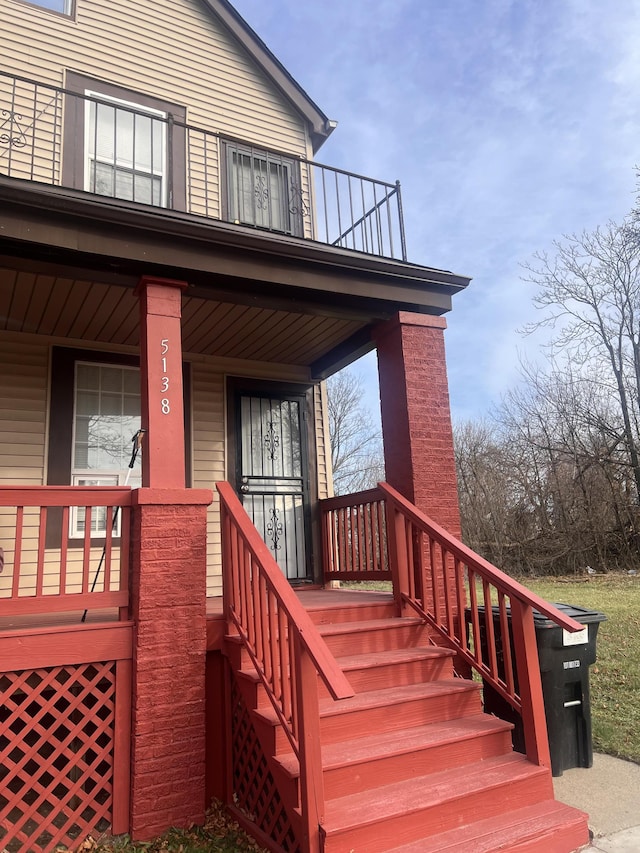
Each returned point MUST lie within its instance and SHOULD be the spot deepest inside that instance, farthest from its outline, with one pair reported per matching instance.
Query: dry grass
(220, 834)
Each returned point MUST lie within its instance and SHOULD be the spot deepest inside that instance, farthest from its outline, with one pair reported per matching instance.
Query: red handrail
(284, 646)
(40, 572)
(473, 607)
(464, 599)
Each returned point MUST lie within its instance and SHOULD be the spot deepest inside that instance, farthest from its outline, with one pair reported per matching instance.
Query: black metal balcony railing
(115, 148)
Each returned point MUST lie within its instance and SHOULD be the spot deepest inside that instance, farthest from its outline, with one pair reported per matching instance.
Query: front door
(272, 474)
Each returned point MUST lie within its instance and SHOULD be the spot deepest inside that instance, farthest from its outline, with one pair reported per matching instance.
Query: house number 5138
(164, 380)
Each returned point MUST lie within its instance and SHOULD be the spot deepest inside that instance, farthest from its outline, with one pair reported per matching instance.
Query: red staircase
(411, 763)
(348, 731)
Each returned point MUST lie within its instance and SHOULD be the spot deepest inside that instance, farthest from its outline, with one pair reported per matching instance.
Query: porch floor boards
(313, 600)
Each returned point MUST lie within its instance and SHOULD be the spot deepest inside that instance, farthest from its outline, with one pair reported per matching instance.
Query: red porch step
(395, 667)
(398, 708)
(546, 827)
(385, 757)
(374, 635)
(374, 821)
(411, 764)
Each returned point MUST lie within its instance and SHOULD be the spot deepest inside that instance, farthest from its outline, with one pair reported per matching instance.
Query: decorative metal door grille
(273, 477)
(56, 755)
(254, 789)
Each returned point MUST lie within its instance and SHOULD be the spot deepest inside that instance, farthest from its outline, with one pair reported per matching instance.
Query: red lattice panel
(56, 755)
(254, 789)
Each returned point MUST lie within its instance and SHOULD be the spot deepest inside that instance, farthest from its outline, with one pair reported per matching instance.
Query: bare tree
(553, 483)
(590, 294)
(356, 440)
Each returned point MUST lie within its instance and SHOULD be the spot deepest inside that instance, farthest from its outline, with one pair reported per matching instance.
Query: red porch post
(163, 464)
(416, 418)
(418, 439)
(168, 589)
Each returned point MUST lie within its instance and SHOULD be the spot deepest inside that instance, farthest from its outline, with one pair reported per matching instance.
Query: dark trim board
(80, 229)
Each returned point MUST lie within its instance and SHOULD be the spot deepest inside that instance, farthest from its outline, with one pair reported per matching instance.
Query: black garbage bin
(565, 659)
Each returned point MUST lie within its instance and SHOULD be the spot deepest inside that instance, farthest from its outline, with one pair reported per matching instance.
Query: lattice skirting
(254, 790)
(56, 755)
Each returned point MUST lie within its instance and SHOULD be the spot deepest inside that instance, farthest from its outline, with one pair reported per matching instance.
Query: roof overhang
(73, 235)
(88, 230)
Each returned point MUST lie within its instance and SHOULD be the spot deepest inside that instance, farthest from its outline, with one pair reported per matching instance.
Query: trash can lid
(574, 611)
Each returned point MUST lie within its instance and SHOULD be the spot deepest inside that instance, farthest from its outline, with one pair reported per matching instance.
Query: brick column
(168, 602)
(416, 418)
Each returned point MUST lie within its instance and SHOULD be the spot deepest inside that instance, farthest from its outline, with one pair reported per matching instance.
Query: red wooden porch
(327, 719)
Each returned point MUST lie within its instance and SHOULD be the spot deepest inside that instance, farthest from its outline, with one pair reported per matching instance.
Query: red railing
(355, 537)
(64, 548)
(472, 607)
(284, 646)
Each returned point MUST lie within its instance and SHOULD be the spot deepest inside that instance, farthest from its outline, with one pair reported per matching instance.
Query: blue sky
(508, 122)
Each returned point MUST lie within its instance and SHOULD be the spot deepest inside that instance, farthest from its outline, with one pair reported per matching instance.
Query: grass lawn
(615, 677)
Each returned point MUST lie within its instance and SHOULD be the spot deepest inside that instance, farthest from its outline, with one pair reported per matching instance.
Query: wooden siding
(24, 366)
(325, 468)
(175, 51)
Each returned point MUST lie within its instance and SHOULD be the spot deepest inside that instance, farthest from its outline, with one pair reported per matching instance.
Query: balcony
(105, 145)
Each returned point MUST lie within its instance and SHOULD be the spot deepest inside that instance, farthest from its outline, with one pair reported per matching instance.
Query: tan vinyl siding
(325, 473)
(172, 50)
(23, 404)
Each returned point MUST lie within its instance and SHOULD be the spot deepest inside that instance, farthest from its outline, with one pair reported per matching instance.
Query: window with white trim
(123, 144)
(126, 150)
(106, 417)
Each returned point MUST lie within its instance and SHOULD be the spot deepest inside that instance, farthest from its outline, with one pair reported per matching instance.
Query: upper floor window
(126, 149)
(263, 189)
(63, 7)
(124, 144)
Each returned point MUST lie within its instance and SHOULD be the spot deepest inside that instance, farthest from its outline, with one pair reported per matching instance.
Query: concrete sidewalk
(610, 793)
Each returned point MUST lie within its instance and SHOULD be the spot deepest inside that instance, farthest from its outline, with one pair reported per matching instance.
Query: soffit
(82, 310)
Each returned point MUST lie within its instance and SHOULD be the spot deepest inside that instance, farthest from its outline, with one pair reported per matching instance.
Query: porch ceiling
(86, 310)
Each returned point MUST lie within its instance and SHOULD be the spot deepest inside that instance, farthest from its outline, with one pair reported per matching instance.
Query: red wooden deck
(312, 599)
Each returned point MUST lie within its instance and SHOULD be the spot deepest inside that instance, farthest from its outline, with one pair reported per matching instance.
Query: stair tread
(403, 741)
(383, 698)
(371, 660)
(498, 833)
(392, 656)
(378, 804)
(396, 695)
(408, 740)
(330, 628)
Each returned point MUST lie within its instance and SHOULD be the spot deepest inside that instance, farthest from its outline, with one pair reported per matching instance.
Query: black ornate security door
(273, 476)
